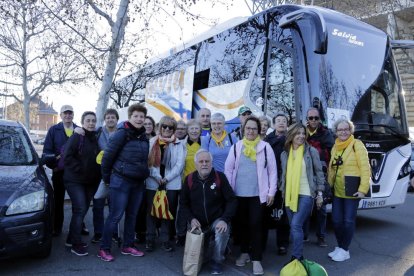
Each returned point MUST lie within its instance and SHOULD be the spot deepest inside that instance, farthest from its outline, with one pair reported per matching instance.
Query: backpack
(303, 267)
(61, 160)
(313, 268)
(190, 180)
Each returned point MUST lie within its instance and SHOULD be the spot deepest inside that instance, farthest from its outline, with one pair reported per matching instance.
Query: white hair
(201, 151)
(217, 117)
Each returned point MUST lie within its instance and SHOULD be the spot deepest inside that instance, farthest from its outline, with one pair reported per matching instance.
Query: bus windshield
(357, 79)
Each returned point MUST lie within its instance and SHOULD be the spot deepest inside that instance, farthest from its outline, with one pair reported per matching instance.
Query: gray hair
(194, 122)
(181, 122)
(201, 151)
(343, 120)
(218, 117)
(265, 118)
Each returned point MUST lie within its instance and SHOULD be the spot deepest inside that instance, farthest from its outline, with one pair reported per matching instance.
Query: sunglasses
(311, 118)
(167, 126)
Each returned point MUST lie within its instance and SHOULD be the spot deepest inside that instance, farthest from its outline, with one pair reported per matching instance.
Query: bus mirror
(318, 23)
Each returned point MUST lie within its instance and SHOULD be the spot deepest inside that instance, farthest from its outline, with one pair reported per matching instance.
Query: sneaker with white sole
(243, 259)
(105, 255)
(132, 251)
(257, 268)
(333, 253)
(341, 256)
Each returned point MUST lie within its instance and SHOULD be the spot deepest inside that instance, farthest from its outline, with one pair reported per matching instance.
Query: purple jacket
(266, 173)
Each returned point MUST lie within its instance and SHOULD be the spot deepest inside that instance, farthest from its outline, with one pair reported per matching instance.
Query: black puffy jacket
(126, 154)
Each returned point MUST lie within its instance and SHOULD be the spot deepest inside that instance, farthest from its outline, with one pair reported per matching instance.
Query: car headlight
(28, 203)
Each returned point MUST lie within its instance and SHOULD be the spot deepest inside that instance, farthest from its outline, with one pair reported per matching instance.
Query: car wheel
(45, 250)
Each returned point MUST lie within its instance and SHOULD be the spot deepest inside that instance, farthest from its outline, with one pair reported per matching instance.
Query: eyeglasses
(311, 118)
(342, 130)
(167, 126)
(246, 114)
(252, 129)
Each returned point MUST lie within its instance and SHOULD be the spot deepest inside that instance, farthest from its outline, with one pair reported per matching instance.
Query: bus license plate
(372, 203)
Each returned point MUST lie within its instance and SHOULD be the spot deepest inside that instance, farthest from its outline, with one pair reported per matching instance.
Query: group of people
(224, 183)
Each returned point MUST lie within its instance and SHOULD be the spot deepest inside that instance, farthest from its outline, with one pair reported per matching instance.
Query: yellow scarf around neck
(293, 174)
(250, 147)
(219, 140)
(343, 145)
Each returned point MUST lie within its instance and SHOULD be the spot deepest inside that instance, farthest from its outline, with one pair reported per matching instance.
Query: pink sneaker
(132, 251)
(105, 255)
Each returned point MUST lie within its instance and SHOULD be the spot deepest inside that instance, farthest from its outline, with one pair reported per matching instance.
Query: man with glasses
(244, 112)
(56, 138)
(322, 139)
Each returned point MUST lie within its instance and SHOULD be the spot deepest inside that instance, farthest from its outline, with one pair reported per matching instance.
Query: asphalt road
(383, 245)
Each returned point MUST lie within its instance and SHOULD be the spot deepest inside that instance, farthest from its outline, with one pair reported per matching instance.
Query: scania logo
(372, 145)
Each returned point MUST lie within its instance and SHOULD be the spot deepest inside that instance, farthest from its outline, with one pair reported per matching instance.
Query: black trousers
(59, 198)
(250, 218)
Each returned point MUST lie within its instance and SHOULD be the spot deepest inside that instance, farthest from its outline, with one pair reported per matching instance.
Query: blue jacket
(55, 140)
(126, 155)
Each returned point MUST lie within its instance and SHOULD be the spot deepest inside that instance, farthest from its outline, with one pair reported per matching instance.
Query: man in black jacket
(208, 202)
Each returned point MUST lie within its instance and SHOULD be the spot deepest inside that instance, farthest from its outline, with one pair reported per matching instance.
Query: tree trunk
(118, 32)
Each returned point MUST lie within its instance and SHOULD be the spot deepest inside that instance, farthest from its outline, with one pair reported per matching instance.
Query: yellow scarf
(343, 145)
(293, 173)
(219, 140)
(250, 147)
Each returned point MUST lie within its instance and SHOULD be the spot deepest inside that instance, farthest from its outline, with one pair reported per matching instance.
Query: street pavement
(383, 245)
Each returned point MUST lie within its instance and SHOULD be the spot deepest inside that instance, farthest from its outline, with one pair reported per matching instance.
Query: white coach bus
(287, 59)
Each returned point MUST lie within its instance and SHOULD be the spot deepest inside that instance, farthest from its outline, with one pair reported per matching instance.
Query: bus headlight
(28, 203)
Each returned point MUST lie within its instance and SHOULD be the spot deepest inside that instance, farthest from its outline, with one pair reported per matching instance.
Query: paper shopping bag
(193, 252)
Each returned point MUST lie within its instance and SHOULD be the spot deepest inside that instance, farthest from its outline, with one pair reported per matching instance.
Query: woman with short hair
(265, 125)
(349, 161)
(252, 172)
(219, 142)
(81, 177)
(166, 163)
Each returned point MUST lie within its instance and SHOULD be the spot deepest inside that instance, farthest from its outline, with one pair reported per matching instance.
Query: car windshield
(15, 149)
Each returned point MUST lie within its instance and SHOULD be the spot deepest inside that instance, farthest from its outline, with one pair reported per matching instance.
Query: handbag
(193, 252)
(160, 208)
(102, 192)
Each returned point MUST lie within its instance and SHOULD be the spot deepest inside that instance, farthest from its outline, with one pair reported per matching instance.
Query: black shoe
(140, 238)
(166, 247)
(56, 233)
(149, 246)
(85, 231)
(79, 250)
(180, 241)
(282, 251)
(322, 243)
(96, 238)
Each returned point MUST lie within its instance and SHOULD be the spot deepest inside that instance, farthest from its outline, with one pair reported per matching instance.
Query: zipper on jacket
(204, 204)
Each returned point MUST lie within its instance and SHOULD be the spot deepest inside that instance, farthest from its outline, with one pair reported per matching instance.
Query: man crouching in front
(208, 202)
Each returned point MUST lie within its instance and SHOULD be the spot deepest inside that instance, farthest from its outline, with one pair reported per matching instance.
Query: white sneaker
(333, 253)
(257, 268)
(243, 259)
(341, 256)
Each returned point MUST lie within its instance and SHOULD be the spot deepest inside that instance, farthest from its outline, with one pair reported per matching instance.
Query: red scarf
(154, 158)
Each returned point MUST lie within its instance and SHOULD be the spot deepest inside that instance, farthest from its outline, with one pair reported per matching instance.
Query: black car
(26, 196)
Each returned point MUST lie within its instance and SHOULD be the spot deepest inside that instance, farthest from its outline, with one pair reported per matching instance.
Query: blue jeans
(344, 211)
(297, 220)
(219, 240)
(98, 215)
(81, 196)
(125, 197)
(320, 220)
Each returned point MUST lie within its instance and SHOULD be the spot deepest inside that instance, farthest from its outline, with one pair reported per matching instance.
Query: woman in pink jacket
(252, 172)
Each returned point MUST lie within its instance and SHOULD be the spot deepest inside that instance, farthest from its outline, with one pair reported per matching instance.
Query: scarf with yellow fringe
(293, 174)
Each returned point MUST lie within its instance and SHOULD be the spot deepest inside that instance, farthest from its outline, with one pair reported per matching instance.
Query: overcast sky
(84, 98)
